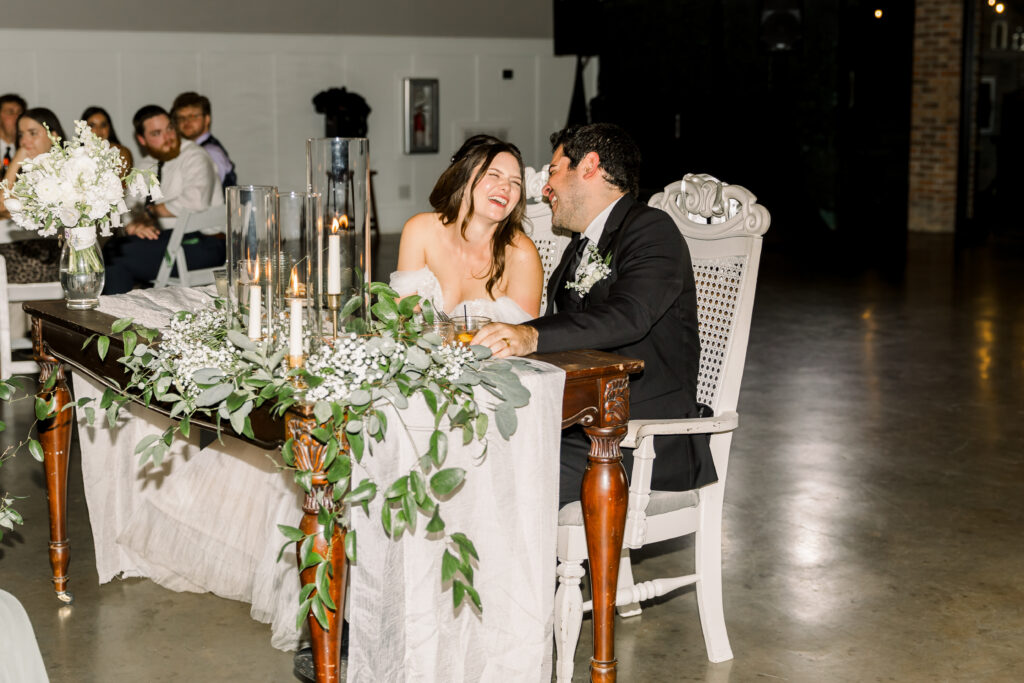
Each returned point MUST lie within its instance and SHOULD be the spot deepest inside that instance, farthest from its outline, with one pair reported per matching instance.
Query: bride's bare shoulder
(523, 249)
(426, 223)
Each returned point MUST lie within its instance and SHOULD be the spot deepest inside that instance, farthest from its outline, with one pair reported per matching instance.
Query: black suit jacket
(645, 308)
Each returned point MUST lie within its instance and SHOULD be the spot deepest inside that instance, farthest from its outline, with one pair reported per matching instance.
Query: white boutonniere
(593, 270)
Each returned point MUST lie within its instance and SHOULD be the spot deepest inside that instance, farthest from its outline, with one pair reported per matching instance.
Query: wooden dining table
(596, 396)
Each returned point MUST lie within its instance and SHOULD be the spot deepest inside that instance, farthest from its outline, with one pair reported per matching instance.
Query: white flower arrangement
(196, 341)
(592, 270)
(77, 184)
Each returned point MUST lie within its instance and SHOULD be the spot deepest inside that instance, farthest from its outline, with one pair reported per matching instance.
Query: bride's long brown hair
(446, 198)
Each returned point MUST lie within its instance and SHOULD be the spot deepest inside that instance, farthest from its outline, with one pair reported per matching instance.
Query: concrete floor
(871, 519)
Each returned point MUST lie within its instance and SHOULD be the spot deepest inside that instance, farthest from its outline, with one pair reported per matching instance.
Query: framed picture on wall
(421, 115)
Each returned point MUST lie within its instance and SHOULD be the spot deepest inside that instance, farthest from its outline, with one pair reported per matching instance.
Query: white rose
(110, 189)
(79, 168)
(13, 204)
(48, 190)
(98, 210)
(69, 216)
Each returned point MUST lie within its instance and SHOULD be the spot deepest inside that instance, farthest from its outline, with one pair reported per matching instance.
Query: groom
(624, 285)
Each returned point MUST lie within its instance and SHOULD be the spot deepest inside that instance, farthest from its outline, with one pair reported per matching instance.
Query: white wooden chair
(723, 226)
(550, 242)
(15, 293)
(213, 217)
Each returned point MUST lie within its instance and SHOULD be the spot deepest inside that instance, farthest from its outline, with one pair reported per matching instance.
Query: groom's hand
(507, 340)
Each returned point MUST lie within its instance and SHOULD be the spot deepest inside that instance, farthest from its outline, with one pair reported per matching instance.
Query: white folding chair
(549, 241)
(213, 217)
(15, 293)
(723, 226)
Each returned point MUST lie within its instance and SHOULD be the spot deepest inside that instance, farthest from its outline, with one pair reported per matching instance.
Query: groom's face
(564, 193)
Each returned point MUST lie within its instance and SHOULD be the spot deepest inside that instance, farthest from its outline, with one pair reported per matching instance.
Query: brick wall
(935, 115)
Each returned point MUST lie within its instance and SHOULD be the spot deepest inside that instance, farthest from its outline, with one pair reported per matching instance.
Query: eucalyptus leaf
(36, 449)
(214, 395)
(409, 508)
(145, 443)
(418, 486)
(505, 418)
(436, 524)
(120, 325)
(466, 546)
(350, 545)
(322, 411)
(300, 617)
(241, 341)
(320, 614)
(383, 290)
(291, 533)
(355, 443)
(359, 397)
(207, 376)
(397, 488)
(102, 345)
(418, 358)
(130, 339)
(481, 425)
(445, 481)
(351, 306)
(288, 453)
(449, 565)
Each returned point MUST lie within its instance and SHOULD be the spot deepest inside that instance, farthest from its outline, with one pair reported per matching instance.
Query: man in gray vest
(191, 114)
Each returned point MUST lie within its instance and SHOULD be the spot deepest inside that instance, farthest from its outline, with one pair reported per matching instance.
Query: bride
(470, 255)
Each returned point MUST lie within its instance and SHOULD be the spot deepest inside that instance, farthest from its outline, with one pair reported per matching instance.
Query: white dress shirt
(189, 183)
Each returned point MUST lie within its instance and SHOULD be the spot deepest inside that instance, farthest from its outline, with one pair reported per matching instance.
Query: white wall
(262, 85)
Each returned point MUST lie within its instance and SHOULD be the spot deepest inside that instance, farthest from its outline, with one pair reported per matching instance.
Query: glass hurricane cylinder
(253, 244)
(338, 170)
(298, 213)
(82, 273)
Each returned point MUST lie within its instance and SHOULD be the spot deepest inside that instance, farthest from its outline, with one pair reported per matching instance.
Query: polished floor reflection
(872, 521)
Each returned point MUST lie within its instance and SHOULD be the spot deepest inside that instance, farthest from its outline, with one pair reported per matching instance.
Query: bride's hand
(507, 340)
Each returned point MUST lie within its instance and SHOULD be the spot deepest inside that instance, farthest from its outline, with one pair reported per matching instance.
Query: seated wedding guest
(191, 114)
(99, 122)
(189, 183)
(470, 254)
(33, 260)
(11, 107)
(641, 304)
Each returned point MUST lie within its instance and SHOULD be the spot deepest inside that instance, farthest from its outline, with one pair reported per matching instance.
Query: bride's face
(499, 190)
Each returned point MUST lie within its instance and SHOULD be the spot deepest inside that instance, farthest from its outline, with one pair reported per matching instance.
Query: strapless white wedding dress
(424, 283)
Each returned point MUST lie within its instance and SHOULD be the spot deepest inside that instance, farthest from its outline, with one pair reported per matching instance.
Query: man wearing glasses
(191, 114)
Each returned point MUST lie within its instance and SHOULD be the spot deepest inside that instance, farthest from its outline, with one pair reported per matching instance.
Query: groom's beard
(167, 153)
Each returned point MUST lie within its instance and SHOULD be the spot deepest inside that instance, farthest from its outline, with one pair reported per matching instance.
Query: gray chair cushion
(661, 502)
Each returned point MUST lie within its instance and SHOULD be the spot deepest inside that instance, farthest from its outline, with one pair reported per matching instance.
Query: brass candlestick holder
(334, 306)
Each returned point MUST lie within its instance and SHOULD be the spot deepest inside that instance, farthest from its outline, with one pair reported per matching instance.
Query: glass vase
(81, 268)
(253, 246)
(338, 170)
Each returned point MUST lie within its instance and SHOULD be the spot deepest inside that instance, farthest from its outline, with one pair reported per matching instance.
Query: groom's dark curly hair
(620, 157)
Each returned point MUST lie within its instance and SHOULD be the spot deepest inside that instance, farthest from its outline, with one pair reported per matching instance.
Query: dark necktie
(564, 294)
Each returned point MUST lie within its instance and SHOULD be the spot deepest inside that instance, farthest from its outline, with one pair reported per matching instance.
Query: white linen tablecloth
(206, 520)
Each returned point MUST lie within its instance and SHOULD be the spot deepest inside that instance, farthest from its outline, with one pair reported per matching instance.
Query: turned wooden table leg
(55, 437)
(309, 454)
(604, 497)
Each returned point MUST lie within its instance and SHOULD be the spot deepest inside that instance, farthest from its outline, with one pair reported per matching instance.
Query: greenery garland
(202, 365)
